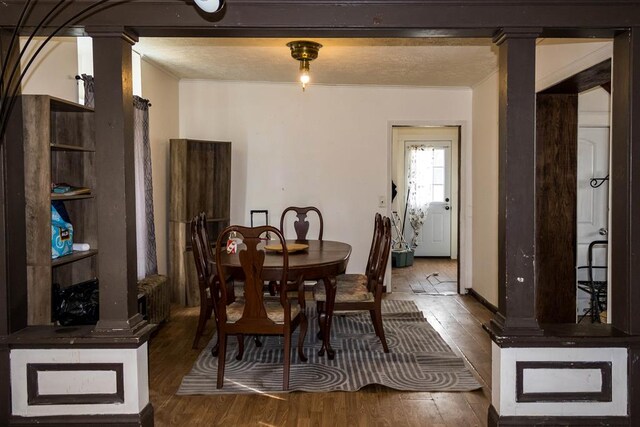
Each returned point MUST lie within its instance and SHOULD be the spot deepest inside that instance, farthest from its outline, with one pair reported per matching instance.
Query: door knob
(447, 207)
(603, 231)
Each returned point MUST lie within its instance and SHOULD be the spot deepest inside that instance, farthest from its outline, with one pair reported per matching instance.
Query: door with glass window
(428, 178)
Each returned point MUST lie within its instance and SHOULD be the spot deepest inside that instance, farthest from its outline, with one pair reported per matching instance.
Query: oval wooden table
(323, 260)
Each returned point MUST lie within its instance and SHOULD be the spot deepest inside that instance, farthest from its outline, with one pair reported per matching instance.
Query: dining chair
(208, 283)
(301, 225)
(255, 313)
(364, 291)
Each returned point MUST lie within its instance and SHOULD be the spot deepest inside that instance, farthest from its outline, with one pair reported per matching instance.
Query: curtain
(421, 184)
(89, 91)
(145, 226)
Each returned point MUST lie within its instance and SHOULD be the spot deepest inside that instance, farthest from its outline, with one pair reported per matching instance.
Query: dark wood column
(516, 206)
(115, 181)
(556, 171)
(13, 288)
(625, 200)
(13, 267)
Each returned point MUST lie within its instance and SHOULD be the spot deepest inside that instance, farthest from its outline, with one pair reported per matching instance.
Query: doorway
(425, 171)
(572, 144)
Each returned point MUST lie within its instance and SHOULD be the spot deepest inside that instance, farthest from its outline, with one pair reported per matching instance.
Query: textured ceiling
(389, 62)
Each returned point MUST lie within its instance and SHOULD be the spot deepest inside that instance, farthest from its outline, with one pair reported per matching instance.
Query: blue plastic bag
(61, 235)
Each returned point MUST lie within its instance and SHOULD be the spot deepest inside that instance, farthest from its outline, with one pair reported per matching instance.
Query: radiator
(156, 293)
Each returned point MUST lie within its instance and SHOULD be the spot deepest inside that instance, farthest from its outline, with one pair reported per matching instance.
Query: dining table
(321, 261)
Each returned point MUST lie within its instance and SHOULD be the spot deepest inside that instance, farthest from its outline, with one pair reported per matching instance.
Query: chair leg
(378, 321)
(303, 333)
(221, 357)
(256, 340)
(272, 288)
(372, 313)
(216, 347)
(300, 289)
(319, 311)
(240, 347)
(287, 360)
(202, 321)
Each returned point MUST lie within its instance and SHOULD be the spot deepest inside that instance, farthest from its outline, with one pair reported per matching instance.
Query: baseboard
(495, 420)
(492, 308)
(143, 419)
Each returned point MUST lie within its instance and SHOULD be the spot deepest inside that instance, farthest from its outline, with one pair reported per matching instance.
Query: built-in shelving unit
(59, 146)
(200, 182)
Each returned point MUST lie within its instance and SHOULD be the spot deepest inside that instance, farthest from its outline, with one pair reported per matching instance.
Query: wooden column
(13, 281)
(556, 170)
(115, 181)
(625, 200)
(516, 206)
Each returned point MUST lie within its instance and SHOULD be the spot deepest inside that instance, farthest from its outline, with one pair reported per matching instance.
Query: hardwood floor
(457, 318)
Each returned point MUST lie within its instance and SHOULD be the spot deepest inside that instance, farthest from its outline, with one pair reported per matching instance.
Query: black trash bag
(77, 304)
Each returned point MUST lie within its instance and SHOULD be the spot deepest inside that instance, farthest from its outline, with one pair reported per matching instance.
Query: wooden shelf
(62, 105)
(59, 146)
(64, 147)
(73, 257)
(200, 182)
(74, 197)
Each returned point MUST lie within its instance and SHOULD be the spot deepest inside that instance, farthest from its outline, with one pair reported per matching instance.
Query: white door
(593, 203)
(433, 162)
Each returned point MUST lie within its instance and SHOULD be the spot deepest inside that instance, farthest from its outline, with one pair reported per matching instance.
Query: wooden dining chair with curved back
(255, 313)
(208, 283)
(355, 292)
(301, 225)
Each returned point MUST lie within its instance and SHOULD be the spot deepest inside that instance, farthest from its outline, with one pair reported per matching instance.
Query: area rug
(419, 359)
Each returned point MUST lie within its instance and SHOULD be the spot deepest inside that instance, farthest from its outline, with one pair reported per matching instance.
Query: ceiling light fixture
(304, 51)
(210, 6)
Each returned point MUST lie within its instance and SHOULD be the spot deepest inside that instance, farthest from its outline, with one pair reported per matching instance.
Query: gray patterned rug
(419, 360)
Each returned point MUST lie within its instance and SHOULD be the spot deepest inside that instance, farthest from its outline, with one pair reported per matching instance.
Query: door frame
(464, 265)
(438, 141)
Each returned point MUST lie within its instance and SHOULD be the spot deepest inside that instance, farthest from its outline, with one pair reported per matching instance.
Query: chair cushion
(273, 307)
(359, 278)
(347, 291)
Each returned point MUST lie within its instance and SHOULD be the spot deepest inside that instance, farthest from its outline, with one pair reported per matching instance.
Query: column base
(142, 419)
(495, 420)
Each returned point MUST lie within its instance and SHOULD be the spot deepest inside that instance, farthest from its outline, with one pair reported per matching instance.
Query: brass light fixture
(304, 51)
(210, 6)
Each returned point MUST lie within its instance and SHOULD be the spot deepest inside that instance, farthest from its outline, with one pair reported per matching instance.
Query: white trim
(465, 255)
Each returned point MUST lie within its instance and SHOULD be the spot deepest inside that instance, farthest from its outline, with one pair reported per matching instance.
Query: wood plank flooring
(457, 318)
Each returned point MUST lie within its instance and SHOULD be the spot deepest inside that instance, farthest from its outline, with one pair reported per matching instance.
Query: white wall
(327, 147)
(485, 189)
(162, 90)
(54, 70)
(556, 60)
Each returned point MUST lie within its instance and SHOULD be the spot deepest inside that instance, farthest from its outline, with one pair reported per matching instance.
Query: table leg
(326, 316)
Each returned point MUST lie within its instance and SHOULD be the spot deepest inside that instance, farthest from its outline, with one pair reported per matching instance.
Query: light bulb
(304, 73)
(210, 6)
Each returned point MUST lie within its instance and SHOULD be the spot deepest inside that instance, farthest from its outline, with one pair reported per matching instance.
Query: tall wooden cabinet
(59, 145)
(200, 181)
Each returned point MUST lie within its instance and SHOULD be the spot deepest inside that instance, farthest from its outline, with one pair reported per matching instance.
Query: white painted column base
(49, 382)
(575, 381)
